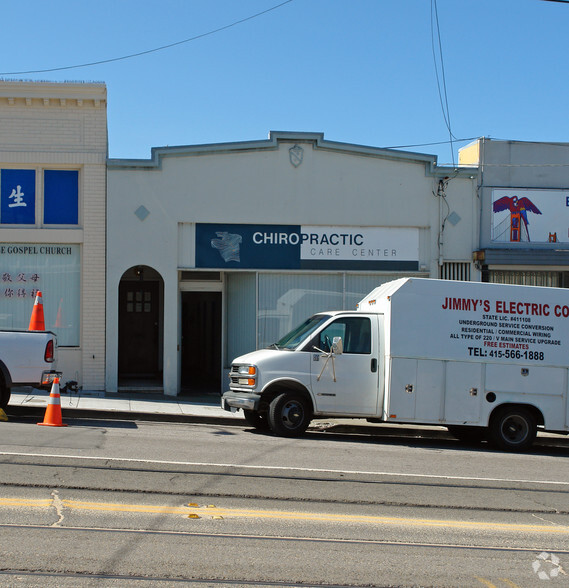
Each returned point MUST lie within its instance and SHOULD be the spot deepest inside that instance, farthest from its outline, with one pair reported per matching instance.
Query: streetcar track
(213, 512)
(285, 538)
(434, 480)
(437, 477)
(454, 483)
(163, 579)
(292, 500)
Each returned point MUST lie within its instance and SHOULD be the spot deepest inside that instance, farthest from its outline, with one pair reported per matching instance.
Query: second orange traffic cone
(37, 322)
(52, 417)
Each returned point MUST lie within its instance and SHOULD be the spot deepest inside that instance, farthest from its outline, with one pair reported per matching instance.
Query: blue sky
(359, 71)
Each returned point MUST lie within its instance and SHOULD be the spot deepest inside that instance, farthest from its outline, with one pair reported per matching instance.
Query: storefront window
(280, 302)
(53, 270)
(285, 300)
(240, 314)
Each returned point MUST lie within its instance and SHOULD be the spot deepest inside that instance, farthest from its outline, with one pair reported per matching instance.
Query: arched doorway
(141, 312)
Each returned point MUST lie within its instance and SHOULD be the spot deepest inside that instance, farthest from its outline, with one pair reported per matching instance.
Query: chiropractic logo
(228, 245)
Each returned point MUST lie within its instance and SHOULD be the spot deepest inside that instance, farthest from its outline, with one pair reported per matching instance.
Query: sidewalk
(204, 408)
(123, 405)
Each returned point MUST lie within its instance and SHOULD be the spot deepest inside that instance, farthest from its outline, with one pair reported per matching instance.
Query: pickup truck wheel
(289, 415)
(513, 429)
(5, 394)
(257, 420)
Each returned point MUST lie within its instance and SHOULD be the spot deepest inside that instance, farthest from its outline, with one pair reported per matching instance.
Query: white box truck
(484, 360)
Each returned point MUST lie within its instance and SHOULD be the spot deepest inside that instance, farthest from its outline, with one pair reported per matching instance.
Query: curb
(92, 414)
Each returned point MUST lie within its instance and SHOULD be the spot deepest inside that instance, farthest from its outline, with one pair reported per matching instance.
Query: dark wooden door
(138, 329)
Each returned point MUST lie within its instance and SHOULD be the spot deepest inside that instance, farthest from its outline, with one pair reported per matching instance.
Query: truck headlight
(246, 375)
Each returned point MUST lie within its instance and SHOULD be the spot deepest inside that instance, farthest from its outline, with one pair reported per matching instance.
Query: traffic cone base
(52, 417)
(37, 322)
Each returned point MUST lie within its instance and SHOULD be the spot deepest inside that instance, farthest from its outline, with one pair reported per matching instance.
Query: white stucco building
(215, 250)
(53, 152)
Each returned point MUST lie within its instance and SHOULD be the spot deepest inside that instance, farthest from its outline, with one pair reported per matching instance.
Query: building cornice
(53, 92)
(272, 143)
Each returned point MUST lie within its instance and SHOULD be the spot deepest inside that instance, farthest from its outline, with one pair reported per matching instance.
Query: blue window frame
(61, 197)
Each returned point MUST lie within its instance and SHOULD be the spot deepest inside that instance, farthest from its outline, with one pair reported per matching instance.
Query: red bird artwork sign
(519, 208)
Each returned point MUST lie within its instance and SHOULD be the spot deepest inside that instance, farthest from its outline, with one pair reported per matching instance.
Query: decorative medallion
(295, 153)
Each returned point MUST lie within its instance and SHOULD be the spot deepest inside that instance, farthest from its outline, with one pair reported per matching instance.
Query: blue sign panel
(18, 197)
(235, 246)
(247, 246)
(61, 197)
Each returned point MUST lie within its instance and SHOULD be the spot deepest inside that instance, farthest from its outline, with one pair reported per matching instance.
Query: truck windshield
(297, 335)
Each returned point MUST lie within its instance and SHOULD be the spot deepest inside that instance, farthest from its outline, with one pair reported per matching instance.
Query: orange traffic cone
(52, 417)
(37, 322)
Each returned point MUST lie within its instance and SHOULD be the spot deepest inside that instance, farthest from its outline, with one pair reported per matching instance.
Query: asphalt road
(128, 503)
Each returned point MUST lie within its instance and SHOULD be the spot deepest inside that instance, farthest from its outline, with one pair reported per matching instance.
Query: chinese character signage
(530, 216)
(18, 197)
(53, 269)
(306, 247)
(19, 284)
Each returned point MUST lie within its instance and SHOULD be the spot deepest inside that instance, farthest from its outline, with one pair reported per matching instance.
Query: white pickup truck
(484, 360)
(27, 358)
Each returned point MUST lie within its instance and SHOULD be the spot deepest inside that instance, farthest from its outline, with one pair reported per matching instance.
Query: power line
(196, 37)
(444, 104)
(453, 140)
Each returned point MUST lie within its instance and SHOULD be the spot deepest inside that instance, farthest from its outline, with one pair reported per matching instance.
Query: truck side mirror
(337, 346)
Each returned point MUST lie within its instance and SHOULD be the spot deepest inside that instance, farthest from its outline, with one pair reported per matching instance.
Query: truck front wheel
(289, 415)
(513, 429)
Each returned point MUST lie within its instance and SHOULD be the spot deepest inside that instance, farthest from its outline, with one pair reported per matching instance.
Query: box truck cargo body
(485, 360)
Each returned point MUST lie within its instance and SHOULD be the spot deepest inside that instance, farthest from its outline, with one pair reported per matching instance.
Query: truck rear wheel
(289, 415)
(257, 420)
(513, 429)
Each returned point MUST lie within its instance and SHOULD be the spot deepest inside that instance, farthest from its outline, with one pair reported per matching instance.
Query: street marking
(509, 583)
(285, 468)
(485, 582)
(40, 503)
(226, 513)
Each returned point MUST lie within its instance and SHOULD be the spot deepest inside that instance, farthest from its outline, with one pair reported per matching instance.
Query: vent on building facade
(550, 279)
(201, 276)
(455, 270)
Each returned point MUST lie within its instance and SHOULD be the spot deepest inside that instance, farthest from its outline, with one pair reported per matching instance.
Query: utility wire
(455, 140)
(444, 103)
(201, 36)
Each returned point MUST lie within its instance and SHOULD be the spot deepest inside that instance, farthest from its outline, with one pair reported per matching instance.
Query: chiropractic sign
(306, 247)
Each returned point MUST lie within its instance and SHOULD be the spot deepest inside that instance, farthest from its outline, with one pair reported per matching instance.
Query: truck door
(347, 383)
(464, 392)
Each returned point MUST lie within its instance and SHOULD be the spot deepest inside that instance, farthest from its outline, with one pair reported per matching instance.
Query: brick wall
(64, 126)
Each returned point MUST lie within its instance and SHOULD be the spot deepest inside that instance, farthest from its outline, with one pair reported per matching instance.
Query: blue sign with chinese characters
(18, 197)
